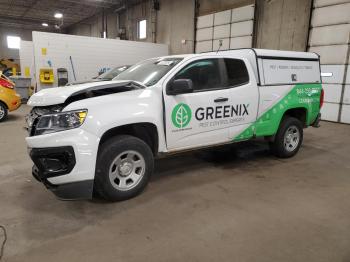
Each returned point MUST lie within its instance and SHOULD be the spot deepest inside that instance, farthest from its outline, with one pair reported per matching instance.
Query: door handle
(221, 99)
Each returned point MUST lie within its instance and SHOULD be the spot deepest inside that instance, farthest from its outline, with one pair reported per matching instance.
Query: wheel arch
(145, 131)
(4, 103)
(299, 113)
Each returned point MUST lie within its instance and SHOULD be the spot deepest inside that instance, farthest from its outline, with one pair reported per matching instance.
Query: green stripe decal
(305, 96)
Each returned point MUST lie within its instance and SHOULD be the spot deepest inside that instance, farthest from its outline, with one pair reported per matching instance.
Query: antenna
(220, 45)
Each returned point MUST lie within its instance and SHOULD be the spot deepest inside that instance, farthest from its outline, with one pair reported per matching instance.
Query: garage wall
(282, 24)
(175, 22)
(233, 27)
(93, 26)
(206, 7)
(330, 37)
(89, 54)
(171, 24)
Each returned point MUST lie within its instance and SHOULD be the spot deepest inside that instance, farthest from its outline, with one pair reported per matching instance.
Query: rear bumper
(14, 102)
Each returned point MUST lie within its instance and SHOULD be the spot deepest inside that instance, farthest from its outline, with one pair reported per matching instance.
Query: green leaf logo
(181, 115)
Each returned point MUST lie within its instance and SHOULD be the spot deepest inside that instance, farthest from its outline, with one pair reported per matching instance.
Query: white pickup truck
(103, 137)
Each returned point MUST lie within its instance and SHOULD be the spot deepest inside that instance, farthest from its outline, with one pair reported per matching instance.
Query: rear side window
(237, 73)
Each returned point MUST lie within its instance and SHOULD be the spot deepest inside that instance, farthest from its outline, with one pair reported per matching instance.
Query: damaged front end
(63, 96)
(64, 162)
(33, 117)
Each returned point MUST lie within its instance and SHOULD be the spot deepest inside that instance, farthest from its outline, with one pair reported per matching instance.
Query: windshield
(149, 72)
(109, 75)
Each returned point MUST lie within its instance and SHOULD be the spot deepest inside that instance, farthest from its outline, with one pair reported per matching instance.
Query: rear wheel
(3, 111)
(123, 169)
(288, 139)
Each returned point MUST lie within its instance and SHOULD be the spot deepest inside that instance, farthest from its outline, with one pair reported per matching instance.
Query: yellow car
(9, 99)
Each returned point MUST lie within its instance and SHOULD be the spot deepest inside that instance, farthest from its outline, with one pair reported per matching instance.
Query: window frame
(222, 70)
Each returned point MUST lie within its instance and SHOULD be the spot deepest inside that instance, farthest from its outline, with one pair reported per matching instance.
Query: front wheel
(123, 168)
(288, 139)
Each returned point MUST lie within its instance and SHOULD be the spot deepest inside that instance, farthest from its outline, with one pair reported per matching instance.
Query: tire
(288, 139)
(3, 112)
(123, 168)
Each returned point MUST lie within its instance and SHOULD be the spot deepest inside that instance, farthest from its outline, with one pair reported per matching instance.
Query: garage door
(233, 27)
(329, 37)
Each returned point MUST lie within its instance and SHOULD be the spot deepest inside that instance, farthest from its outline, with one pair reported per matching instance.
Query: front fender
(108, 112)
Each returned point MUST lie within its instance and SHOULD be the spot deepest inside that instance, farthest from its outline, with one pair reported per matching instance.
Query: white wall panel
(321, 3)
(234, 27)
(332, 92)
(242, 13)
(346, 97)
(26, 56)
(242, 28)
(336, 70)
(330, 35)
(205, 21)
(204, 34)
(348, 76)
(221, 31)
(222, 18)
(241, 42)
(331, 54)
(330, 112)
(330, 15)
(345, 114)
(89, 54)
(225, 44)
(204, 46)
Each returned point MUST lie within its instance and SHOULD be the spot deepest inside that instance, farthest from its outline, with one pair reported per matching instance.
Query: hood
(88, 81)
(69, 94)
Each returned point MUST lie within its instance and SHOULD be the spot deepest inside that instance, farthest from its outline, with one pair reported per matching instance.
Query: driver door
(196, 119)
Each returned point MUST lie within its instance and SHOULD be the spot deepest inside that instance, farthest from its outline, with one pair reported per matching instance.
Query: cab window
(205, 74)
(237, 73)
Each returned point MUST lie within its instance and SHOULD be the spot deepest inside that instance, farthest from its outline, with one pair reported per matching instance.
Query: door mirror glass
(180, 86)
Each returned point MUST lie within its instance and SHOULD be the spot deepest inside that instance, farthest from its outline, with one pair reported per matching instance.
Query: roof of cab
(254, 55)
(260, 53)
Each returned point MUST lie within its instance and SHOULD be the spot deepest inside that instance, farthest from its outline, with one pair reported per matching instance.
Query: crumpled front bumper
(65, 162)
(69, 191)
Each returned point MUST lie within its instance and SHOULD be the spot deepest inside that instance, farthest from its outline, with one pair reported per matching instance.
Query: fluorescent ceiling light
(58, 15)
(45, 24)
(13, 42)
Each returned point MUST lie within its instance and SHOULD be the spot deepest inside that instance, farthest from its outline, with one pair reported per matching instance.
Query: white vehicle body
(217, 116)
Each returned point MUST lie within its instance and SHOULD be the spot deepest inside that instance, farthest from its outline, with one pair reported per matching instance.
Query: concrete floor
(230, 204)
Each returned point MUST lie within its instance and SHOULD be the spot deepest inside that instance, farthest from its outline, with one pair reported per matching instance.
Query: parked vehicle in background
(103, 137)
(107, 76)
(9, 99)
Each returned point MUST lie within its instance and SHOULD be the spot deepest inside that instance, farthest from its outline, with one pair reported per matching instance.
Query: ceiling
(30, 14)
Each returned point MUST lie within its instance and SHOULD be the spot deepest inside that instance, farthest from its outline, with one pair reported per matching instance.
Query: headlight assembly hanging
(60, 121)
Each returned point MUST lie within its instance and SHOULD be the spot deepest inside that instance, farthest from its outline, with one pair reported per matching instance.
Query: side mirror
(180, 86)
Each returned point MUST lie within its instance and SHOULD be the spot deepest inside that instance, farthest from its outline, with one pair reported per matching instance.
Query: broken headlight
(60, 121)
